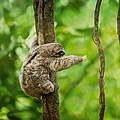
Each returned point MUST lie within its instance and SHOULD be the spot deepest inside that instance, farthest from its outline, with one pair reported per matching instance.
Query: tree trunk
(44, 21)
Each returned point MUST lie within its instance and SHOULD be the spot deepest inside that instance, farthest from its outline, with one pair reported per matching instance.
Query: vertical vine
(102, 59)
(118, 22)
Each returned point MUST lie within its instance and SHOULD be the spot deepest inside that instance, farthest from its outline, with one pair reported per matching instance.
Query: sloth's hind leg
(45, 84)
(48, 87)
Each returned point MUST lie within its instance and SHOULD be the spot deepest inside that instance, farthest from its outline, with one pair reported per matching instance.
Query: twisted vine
(102, 59)
(118, 22)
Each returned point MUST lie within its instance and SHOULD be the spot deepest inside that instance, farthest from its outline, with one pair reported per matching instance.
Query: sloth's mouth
(60, 54)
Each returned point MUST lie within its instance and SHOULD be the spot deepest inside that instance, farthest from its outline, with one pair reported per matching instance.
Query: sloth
(41, 64)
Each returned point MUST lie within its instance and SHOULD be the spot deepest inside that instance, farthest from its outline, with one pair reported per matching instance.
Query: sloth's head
(52, 50)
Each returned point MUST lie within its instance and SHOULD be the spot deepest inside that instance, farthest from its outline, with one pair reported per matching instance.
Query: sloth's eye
(59, 54)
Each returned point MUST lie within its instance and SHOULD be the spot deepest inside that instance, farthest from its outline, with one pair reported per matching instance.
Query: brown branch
(102, 60)
(118, 22)
(35, 6)
(48, 21)
(44, 21)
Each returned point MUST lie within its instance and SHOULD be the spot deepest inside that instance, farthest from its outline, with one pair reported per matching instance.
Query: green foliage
(79, 92)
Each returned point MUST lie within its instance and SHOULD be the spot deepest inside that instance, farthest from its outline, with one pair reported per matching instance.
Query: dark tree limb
(35, 6)
(48, 21)
(118, 22)
(102, 60)
(44, 22)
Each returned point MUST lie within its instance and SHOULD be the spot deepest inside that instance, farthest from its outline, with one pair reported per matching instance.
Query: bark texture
(44, 20)
(102, 60)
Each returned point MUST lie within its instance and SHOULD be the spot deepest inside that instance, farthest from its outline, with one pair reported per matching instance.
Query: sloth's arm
(58, 64)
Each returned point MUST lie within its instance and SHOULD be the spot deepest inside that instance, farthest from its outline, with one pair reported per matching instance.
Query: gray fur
(40, 65)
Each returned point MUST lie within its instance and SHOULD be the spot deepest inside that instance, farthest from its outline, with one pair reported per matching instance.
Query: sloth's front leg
(58, 64)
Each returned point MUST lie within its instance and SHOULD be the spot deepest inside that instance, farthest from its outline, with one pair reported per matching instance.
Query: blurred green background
(79, 91)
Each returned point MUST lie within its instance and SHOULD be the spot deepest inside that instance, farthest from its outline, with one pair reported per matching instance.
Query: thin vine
(102, 59)
(118, 22)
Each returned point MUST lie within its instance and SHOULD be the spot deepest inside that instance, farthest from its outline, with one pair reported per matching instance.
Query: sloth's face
(57, 50)
(52, 50)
